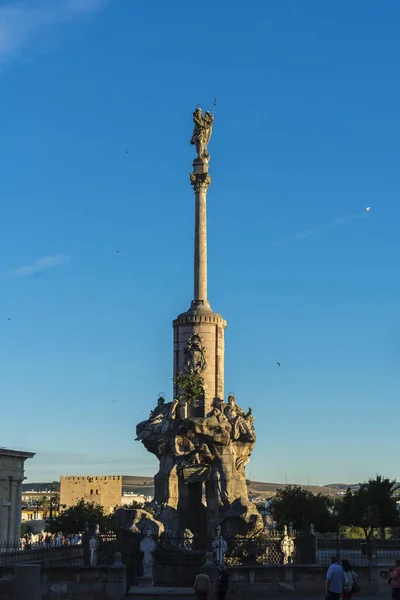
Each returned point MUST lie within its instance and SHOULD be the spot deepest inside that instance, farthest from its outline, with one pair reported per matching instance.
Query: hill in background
(137, 484)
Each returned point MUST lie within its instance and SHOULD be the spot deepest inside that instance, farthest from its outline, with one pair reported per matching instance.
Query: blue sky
(306, 136)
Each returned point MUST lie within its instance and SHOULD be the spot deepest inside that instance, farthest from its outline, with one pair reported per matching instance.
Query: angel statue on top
(202, 132)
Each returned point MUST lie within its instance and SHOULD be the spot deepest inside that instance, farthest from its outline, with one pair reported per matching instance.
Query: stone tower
(200, 327)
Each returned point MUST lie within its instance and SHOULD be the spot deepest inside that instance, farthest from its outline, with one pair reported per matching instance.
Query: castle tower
(199, 332)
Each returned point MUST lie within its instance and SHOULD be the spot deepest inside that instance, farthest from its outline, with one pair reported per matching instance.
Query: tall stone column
(200, 180)
(200, 330)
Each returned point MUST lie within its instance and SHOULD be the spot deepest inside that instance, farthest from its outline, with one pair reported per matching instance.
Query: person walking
(350, 586)
(334, 580)
(222, 583)
(202, 586)
(394, 580)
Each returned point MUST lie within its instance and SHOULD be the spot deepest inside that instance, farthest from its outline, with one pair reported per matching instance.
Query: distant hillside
(41, 487)
(262, 489)
(137, 484)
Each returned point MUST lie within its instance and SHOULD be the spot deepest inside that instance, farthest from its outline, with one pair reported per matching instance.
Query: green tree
(135, 505)
(293, 504)
(191, 384)
(73, 520)
(372, 506)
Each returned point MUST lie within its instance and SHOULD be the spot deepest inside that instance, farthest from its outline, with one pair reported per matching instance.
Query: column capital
(200, 180)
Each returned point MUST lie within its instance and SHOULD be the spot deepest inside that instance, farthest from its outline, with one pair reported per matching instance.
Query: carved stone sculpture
(242, 424)
(287, 547)
(201, 482)
(148, 547)
(202, 132)
(220, 547)
(195, 360)
(158, 421)
(137, 520)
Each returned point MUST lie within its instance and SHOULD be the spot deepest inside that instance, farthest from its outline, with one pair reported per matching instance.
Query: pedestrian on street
(334, 580)
(202, 586)
(394, 580)
(350, 586)
(222, 583)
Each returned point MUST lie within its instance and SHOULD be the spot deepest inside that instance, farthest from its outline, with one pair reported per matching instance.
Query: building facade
(12, 464)
(104, 490)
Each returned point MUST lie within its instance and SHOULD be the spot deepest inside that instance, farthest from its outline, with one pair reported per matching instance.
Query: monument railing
(356, 551)
(13, 554)
(274, 548)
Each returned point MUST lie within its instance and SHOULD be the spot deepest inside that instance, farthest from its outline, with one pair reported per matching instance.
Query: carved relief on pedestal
(195, 356)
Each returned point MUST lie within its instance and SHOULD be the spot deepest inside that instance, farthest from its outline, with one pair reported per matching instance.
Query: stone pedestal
(116, 579)
(27, 582)
(209, 327)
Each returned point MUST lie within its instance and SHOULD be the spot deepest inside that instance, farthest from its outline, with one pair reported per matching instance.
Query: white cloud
(313, 231)
(21, 20)
(39, 265)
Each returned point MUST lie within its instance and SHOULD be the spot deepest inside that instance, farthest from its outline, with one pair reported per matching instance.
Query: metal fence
(357, 552)
(55, 556)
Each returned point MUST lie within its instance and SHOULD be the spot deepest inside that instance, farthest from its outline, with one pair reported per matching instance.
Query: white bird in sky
(368, 208)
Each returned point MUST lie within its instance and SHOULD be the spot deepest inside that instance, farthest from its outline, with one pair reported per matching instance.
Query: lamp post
(336, 517)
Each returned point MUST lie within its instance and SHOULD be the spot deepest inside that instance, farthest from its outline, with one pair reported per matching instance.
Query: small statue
(202, 133)
(220, 547)
(287, 546)
(155, 422)
(148, 547)
(195, 360)
(242, 424)
(249, 417)
(181, 410)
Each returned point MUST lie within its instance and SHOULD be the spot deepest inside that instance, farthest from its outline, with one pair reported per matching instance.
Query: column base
(196, 304)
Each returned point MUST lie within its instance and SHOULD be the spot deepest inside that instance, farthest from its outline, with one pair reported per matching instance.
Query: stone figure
(178, 409)
(287, 546)
(202, 132)
(242, 424)
(182, 408)
(148, 547)
(220, 547)
(155, 422)
(195, 360)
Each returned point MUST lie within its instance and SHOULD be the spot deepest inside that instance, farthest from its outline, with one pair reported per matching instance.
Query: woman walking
(350, 586)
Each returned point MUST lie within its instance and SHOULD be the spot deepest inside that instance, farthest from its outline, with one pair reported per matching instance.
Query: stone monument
(203, 444)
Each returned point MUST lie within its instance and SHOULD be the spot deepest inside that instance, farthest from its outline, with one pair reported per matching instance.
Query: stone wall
(71, 583)
(105, 490)
(258, 582)
(6, 589)
(75, 584)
